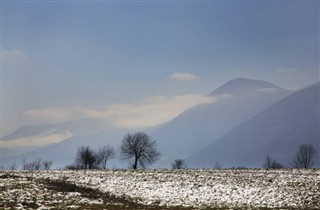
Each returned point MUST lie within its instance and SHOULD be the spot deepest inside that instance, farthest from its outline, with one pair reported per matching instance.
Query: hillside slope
(235, 102)
(278, 131)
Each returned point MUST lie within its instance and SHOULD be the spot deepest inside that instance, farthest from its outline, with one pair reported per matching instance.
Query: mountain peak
(244, 85)
(277, 131)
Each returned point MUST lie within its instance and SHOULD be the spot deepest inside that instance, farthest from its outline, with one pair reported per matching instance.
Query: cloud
(286, 70)
(266, 90)
(39, 140)
(149, 112)
(154, 111)
(183, 76)
(54, 113)
(224, 96)
(10, 55)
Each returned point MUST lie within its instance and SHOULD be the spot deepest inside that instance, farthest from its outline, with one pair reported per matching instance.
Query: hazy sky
(141, 63)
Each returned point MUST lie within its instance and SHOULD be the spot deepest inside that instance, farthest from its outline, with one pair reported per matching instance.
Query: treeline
(139, 151)
(38, 164)
(86, 158)
(304, 158)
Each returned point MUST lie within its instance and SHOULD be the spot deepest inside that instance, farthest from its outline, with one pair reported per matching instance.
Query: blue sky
(63, 60)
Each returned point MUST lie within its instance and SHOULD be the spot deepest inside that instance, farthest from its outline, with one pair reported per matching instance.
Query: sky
(141, 63)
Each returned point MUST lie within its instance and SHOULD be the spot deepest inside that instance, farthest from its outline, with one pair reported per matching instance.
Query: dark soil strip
(110, 201)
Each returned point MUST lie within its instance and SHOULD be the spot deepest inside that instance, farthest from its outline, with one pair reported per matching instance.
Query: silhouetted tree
(139, 149)
(46, 164)
(304, 157)
(217, 165)
(37, 164)
(104, 154)
(270, 163)
(178, 164)
(34, 165)
(26, 165)
(86, 158)
(13, 166)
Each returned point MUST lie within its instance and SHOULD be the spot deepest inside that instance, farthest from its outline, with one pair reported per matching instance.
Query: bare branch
(105, 154)
(304, 157)
(139, 149)
(178, 164)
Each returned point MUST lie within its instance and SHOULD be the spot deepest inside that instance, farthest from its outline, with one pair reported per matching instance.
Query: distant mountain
(235, 102)
(74, 127)
(64, 152)
(277, 131)
(28, 138)
(244, 86)
(5, 152)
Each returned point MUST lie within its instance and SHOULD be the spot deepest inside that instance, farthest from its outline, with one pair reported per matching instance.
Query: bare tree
(24, 164)
(13, 166)
(37, 164)
(46, 164)
(105, 154)
(270, 163)
(217, 165)
(178, 164)
(139, 149)
(86, 158)
(304, 157)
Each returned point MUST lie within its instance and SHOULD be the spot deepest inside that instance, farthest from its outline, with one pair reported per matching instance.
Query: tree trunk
(135, 165)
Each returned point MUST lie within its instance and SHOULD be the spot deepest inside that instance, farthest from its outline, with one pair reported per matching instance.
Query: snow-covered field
(119, 189)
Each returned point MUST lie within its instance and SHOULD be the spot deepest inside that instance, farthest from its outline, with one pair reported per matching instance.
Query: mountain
(278, 131)
(240, 86)
(30, 137)
(75, 127)
(5, 152)
(63, 153)
(234, 102)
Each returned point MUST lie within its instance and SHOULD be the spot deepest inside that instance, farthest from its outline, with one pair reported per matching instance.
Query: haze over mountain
(75, 127)
(62, 153)
(278, 132)
(235, 102)
(5, 152)
(136, 65)
(31, 137)
(244, 86)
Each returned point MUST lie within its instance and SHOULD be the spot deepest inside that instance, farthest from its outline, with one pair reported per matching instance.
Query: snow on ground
(22, 192)
(245, 188)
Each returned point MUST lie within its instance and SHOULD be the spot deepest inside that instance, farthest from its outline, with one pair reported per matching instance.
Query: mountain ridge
(241, 84)
(278, 131)
(192, 130)
(197, 126)
(75, 127)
